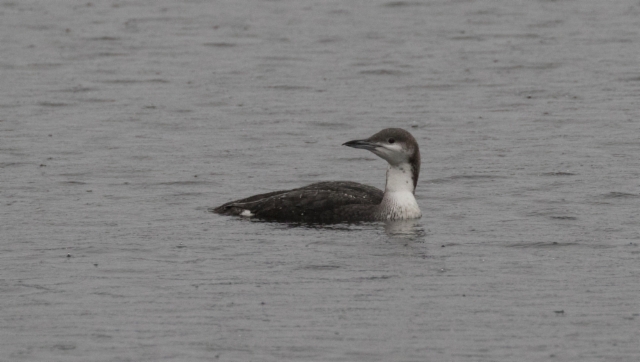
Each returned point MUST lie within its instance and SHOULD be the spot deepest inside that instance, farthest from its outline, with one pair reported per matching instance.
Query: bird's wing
(317, 202)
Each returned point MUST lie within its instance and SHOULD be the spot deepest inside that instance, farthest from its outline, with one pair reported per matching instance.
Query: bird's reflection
(405, 229)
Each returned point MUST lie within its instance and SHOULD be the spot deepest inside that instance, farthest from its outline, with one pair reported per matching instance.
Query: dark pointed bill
(364, 144)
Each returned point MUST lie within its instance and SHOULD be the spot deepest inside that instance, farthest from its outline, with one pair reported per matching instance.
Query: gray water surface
(121, 122)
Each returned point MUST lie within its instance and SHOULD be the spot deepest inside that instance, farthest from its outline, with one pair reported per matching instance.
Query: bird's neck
(399, 202)
(400, 178)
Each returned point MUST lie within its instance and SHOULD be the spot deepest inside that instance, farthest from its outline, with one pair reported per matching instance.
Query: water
(121, 122)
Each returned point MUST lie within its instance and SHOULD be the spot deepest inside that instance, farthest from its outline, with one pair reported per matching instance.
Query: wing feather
(319, 202)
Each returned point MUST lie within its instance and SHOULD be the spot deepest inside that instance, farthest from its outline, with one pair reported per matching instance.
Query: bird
(332, 202)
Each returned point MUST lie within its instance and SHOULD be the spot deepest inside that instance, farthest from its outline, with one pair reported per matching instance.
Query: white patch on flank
(246, 213)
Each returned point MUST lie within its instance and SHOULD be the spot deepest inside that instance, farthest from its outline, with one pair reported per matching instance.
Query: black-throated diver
(345, 201)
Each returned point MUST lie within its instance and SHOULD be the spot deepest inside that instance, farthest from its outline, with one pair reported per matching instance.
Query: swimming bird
(346, 201)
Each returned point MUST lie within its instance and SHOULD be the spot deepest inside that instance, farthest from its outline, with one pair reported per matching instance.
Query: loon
(333, 202)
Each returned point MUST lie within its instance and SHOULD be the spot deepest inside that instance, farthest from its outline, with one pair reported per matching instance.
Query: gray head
(394, 145)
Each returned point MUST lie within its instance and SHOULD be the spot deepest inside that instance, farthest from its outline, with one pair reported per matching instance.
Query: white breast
(400, 205)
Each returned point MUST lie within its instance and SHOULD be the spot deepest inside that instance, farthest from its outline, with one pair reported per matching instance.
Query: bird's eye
(391, 141)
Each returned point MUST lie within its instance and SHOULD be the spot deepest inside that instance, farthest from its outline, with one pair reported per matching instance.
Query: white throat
(399, 178)
(399, 201)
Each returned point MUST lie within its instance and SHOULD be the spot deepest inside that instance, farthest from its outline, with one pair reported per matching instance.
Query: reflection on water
(405, 229)
(401, 229)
